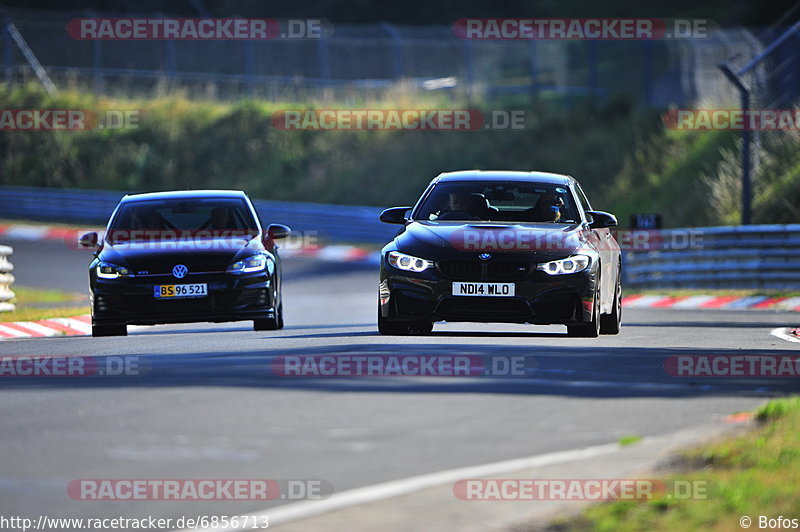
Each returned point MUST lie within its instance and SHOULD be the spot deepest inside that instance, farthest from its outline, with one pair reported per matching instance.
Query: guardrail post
(647, 55)
(323, 52)
(594, 77)
(533, 68)
(469, 68)
(97, 65)
(8, 53)
(744, 93)
(6, 279)
(397, 51)
(249, 66)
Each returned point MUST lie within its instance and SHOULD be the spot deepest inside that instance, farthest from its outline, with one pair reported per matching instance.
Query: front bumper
(231, 297)
(539, 299)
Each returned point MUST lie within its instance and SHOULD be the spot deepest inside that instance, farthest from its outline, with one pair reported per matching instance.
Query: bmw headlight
(106, 270)
(409, 263)
(573, 264)
(253, 263)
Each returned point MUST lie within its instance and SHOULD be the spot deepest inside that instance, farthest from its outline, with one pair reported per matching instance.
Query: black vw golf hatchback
(185, 256)
(501, 246)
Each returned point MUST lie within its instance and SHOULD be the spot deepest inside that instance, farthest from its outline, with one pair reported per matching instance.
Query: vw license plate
(484, 289)
(175, 291)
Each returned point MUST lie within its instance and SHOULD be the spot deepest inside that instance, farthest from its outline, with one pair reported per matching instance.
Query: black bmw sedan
(501, 246)
(185, 256)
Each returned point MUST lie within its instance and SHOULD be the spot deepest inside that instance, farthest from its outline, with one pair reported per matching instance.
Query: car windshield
(506, 201)
(171, 218)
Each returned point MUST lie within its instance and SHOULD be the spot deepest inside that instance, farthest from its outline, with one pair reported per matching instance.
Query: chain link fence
(375, 61)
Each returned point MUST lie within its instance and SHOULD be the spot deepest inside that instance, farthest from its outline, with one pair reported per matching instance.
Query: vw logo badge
(180, 271)
(485, 256)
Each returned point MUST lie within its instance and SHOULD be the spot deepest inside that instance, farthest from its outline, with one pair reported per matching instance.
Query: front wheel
(591, 329)
(610, 323)
(402, 328)
(270, 324)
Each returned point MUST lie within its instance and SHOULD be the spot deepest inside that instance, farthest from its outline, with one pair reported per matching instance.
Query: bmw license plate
(484, 289)
(175, 291)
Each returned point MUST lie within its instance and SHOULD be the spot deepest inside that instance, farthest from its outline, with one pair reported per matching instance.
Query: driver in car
(473, 206)
(547, 209)
(460, 202)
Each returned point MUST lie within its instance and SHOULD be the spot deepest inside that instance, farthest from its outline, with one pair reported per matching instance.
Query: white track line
(782, 333)
(395, 488)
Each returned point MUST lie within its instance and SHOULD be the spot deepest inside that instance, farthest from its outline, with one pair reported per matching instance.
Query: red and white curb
(75, 326)
(41, 232)
(712, 302)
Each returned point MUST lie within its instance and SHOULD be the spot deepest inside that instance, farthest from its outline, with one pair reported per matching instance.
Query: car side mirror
(88, 241)
(395, 215)
(602, 219)
(278, 231)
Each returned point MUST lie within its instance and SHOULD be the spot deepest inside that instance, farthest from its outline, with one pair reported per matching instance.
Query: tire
(420, 327)
(270, 324)
(402, 328)
(610, 323)
(110, 330)
(591, 329)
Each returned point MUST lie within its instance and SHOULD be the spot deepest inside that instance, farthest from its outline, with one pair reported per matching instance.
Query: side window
(582, 198)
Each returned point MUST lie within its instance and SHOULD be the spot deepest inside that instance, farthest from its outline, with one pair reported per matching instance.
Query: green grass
(629, 440)
(624, 157)
(183, 143)
(37, 304)
(753, 474)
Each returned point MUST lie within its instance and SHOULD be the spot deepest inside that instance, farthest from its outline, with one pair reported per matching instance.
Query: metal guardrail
(752, 256)
(335, 223)
(6, 279)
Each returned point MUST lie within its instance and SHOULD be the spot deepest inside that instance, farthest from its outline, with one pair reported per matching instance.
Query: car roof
(173, 194)
(504, 175)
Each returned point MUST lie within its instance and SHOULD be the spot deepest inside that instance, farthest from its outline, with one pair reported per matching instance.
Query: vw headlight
(401, 261)
(253, 263)
(106, 270)
(573, 264)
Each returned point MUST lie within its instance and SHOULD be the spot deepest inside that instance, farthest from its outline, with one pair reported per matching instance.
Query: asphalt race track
(207, 404)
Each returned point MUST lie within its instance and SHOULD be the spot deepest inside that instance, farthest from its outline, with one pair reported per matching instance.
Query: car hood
(198, 255)
(538, 241)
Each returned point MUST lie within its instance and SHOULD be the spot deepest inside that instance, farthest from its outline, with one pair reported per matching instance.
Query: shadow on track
(588, 371)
